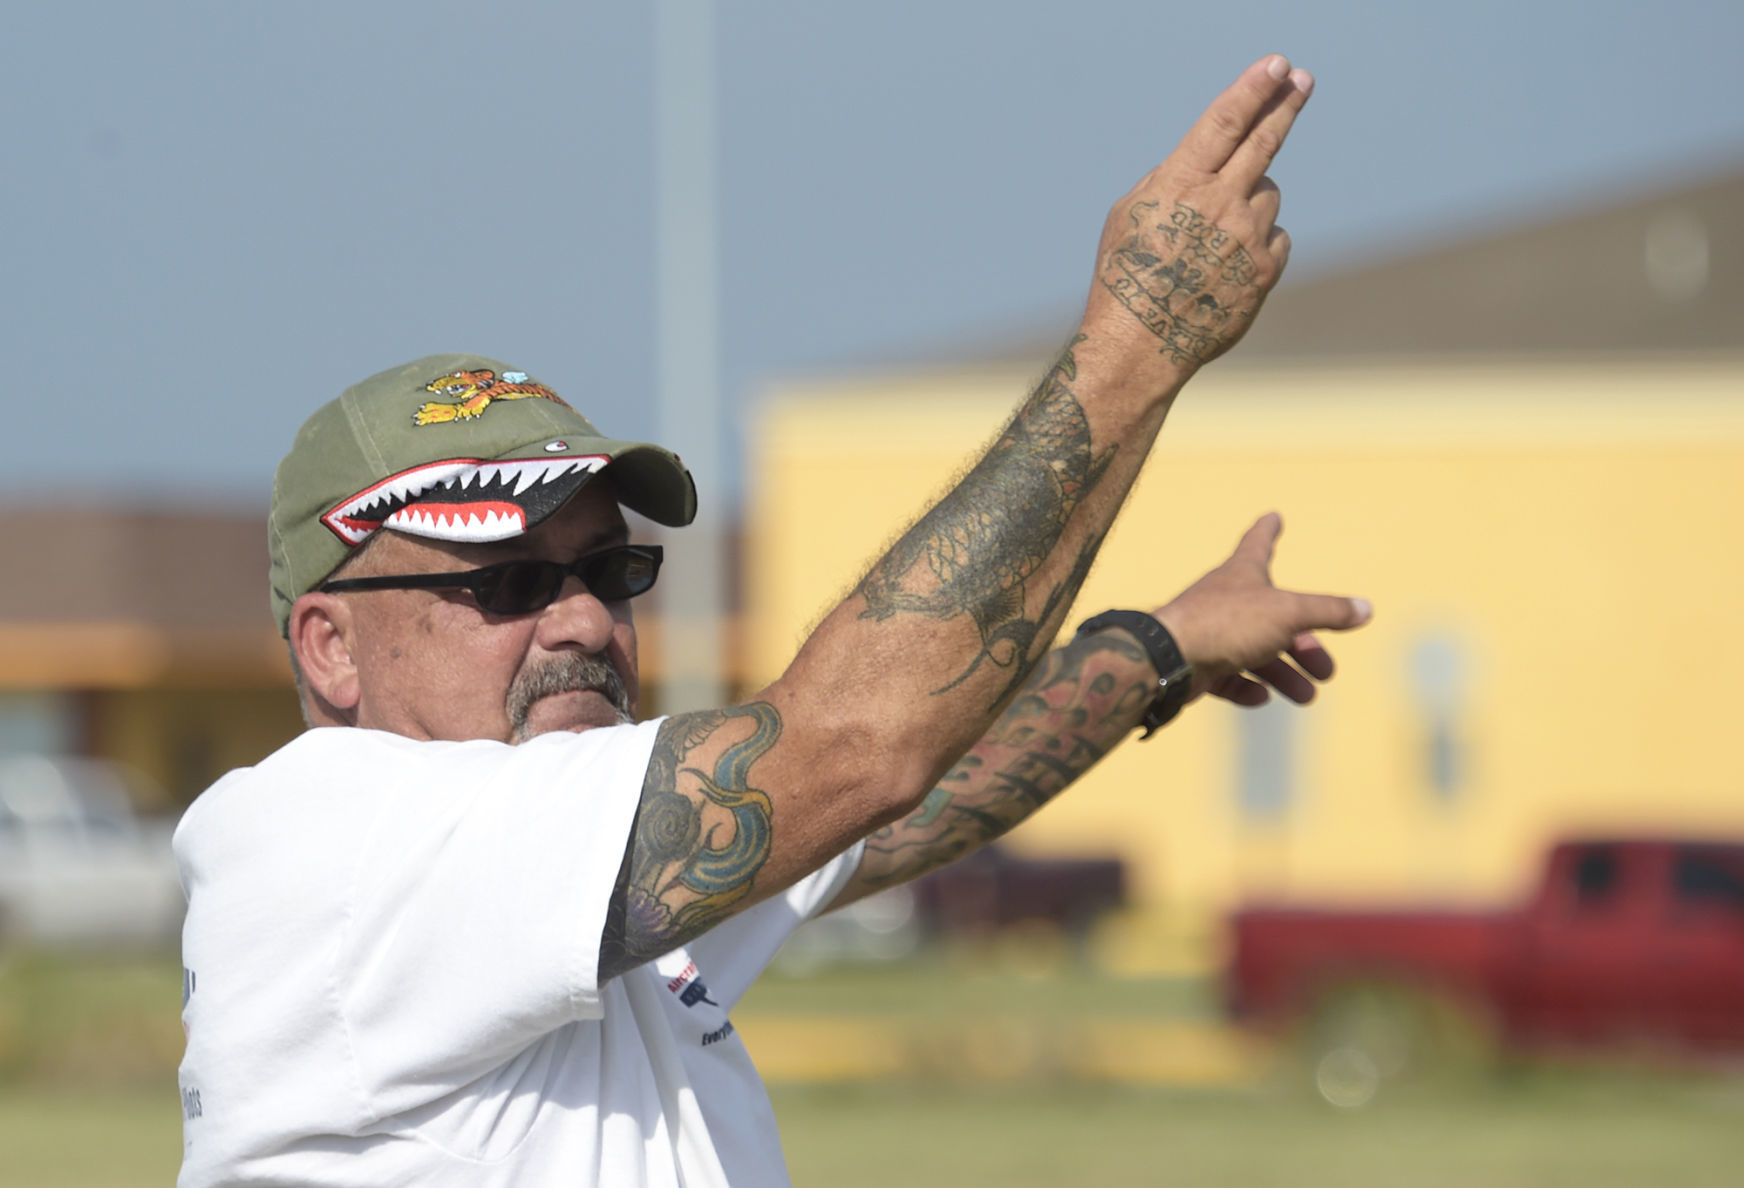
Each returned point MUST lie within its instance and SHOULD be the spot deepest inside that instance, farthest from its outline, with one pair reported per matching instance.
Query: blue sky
(219, 214)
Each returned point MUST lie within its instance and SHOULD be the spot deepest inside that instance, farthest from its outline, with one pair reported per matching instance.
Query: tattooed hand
(1233, 622)
(1190, 253)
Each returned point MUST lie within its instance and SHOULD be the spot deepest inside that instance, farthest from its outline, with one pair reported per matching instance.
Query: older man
(479, 927)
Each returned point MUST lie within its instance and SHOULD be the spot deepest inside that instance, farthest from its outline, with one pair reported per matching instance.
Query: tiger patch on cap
(475, 390)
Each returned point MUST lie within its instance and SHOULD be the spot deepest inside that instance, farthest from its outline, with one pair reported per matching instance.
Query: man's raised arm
(913, 666)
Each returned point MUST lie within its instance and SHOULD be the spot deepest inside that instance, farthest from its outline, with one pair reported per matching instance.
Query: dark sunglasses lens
(621, 573)
(519, 587)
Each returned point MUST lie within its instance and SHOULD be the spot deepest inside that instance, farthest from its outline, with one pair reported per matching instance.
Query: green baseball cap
(451, 447)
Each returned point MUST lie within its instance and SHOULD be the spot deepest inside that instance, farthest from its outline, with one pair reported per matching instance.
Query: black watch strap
(1174, 674)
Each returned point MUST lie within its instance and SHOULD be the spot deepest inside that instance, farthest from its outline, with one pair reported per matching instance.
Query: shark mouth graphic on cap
(463, 499)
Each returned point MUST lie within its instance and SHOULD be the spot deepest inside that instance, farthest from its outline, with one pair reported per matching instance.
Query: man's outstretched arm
(1087, 696)
(901, 679)
(1082, 700)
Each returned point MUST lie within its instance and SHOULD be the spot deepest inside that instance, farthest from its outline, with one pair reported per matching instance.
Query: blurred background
(1478, 912)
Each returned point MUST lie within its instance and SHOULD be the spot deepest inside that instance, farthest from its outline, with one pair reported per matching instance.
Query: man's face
(432, 664)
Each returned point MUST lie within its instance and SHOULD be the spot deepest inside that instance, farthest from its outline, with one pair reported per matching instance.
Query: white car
(77, 867)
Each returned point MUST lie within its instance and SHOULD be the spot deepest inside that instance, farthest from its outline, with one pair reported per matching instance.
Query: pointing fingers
(1280, 675)
(1244, 634)
(1239, 689)
(1259, 540)
(1330, 612)
(1251, 158)
(1217, 134)
(1315, 660)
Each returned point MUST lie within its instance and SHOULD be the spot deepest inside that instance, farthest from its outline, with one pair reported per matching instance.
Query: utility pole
(693, 589)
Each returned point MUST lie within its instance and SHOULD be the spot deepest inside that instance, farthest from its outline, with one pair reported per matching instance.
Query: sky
(218, 215)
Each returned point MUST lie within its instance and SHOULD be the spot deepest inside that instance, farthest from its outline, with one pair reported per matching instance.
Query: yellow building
(1549, 536)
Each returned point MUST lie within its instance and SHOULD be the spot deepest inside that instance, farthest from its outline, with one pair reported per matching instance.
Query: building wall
(1552, 550)
(184, 739)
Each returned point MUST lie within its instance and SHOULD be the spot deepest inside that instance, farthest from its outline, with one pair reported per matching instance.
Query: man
(479, 928)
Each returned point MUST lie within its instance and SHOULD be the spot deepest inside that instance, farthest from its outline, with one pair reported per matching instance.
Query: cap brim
(652, 482)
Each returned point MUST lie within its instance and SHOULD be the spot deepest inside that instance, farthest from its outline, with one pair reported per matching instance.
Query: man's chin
(574, 712)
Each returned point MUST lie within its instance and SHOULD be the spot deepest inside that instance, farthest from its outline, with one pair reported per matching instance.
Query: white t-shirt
(391, 953)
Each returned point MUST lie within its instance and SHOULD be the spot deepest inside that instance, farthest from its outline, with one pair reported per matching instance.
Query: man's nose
(576, 618)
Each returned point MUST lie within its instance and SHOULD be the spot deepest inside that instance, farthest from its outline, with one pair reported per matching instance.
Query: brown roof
(125, 598)
(1644, 275)
(171, 569)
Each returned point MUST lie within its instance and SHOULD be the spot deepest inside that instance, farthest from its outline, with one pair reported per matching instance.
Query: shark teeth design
(468, 521)
(464, 499)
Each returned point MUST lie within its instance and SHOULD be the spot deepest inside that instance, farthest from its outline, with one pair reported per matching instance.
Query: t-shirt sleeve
(479, 896)
(735, 952)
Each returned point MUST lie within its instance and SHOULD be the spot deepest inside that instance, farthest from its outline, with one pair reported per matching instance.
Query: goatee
(572, 672)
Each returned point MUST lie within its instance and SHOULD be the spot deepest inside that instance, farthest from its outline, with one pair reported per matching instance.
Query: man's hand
(1233, 622)
(1190, 253)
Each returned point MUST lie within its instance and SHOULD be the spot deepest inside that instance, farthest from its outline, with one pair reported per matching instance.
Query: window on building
(1266, 761)
(1438, 667)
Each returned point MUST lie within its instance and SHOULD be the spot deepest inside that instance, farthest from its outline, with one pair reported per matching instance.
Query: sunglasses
(522, 587)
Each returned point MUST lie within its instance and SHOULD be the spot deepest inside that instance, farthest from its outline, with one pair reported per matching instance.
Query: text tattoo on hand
(700, 837)
(1185, 278)
(973, 553)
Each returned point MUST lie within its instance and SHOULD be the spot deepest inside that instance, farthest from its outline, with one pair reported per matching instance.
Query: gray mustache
(573, 672)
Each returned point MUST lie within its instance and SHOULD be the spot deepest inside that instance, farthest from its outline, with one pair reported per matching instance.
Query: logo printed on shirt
(187, 993)
(690, 988)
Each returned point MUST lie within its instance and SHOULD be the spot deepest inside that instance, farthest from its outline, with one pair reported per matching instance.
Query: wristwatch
(1174, 674)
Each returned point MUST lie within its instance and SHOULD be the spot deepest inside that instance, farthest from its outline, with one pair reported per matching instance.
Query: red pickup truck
(1628, 943)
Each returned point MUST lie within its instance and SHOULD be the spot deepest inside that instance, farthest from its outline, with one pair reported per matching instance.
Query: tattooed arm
(913, 667)
(1238, 631)
(1081, 701)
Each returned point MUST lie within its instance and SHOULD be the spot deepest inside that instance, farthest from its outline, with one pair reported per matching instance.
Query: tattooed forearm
(1082, 700)
(702, 833)
(1185, 278)
(974, 553)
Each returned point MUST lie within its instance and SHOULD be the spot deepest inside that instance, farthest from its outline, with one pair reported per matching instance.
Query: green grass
(88, 1049)
(1618, 1135)
(1014, 980)
(88, 1053)
(1559, 1134)
(107, 1021)
(90, 1139)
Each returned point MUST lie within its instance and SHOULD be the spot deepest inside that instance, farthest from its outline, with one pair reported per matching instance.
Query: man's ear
(320, 634)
